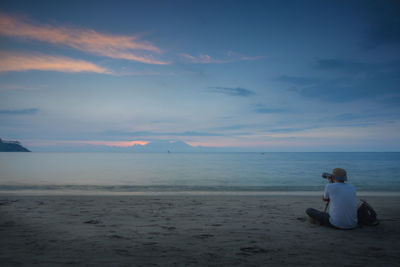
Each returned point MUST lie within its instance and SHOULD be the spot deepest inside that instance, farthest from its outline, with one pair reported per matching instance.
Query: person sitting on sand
(343, 203)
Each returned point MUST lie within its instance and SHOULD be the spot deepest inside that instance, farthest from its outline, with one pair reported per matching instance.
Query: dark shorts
(319, 216)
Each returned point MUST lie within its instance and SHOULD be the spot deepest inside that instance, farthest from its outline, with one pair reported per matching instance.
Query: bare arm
(326, 192)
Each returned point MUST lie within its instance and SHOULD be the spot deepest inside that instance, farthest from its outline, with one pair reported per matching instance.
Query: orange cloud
(86, 142)
(114, 143)
(23, 62)
(87, 40)
(202, 59)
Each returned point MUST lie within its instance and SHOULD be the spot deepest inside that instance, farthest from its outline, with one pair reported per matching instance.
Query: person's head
(339, 175)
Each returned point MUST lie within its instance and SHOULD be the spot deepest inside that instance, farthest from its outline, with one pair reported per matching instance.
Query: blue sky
(248, 75)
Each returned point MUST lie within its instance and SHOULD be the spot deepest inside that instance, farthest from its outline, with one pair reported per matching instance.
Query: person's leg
(321, 217)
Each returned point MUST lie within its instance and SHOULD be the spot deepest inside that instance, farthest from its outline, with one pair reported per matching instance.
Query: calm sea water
(190, 172)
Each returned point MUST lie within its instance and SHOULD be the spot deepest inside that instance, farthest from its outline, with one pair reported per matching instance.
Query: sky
(233, 75)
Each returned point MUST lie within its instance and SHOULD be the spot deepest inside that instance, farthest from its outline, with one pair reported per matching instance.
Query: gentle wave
(188, 172)
(161, 188)
(164, 188)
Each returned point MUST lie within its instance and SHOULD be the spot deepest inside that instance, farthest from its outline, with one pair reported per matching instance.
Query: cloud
(110, 143)
(345, 117)
(13, 87)
(362, 119)
(339, 65)
(352, 67)
(193, 134)
(24, 62)
(148, 133)
(87, 40)
(232, 91)
(89, 142)
(298, 80)
(138, 73)
(27, 111)
(206, 59)
(259, 108)
(352, 80)
(235, 127)
(289, 130)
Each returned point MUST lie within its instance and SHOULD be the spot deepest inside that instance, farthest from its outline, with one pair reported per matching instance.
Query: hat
(339, 174)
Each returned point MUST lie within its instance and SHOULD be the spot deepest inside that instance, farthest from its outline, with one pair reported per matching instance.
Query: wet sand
(189, 230)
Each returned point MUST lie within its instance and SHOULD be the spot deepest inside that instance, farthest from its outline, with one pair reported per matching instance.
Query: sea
(191, 173)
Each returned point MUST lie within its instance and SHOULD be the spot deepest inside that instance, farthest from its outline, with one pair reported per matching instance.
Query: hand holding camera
(328, 176)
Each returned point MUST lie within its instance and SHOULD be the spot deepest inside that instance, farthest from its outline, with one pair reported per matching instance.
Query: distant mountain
(164, 146)
(157, 146)
(11, 146)
(169, 146)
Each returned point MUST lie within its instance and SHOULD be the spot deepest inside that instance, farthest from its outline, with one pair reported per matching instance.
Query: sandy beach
(189, 230)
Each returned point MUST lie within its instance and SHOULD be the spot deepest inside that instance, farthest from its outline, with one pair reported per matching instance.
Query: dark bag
(366, 214)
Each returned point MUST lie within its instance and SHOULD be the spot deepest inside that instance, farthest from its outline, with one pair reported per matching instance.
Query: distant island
(11, 146)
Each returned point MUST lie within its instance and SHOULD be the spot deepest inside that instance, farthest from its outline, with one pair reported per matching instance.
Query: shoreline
(184, 193)
(188, 230)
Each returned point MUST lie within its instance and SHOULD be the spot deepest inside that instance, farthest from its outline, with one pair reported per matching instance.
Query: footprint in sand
(150, 243)
(302, 219)
(115, 236)
(93, 222)
(248, 251)
(203, 236)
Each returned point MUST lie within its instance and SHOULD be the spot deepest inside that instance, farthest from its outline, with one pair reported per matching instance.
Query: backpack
(366, 214)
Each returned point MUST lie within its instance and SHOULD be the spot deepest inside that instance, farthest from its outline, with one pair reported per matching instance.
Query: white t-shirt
(343, 205)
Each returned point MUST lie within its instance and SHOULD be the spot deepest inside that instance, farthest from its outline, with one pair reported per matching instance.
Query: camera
(326, 175)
